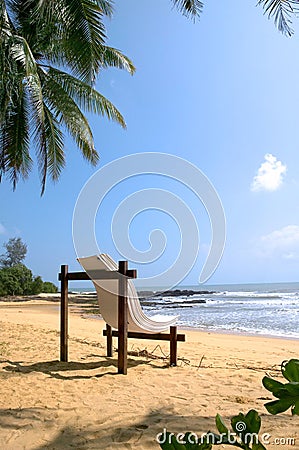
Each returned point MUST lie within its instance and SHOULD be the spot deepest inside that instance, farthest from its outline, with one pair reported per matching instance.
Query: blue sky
(220, 93)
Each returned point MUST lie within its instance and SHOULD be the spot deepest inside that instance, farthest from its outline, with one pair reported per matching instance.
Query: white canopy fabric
(107, 291)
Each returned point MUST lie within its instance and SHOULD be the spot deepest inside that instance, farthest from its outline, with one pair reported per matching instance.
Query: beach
(85, 404)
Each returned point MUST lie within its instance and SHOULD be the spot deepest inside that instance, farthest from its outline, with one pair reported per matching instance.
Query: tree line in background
(15, 277)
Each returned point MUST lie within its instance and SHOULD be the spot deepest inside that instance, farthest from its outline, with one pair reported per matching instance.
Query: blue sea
(260, 309)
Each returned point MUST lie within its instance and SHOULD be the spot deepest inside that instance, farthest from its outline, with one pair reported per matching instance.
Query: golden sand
(85, 404)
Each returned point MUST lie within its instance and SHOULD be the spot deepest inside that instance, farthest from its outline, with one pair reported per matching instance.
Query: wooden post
(64, 314)
(173, 346)
(122, 318)
(109, 340)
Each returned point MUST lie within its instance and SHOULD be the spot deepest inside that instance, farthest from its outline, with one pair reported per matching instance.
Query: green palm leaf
(85, 96)
(77, 33)
(36, 97)
(55, 145)
(38, 125)
(14, 138)
(281, 11)
(191, 8)
(17, 64)
(50, 152)
(85, 29)
(111, 57)
(67, 112)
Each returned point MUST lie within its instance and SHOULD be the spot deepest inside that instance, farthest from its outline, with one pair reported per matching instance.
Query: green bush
(15, 277)
(49, 288)
(16, 280)
(37, 285)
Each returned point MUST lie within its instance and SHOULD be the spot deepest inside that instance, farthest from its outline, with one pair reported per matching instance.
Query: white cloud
(270, 174)
(283, 243)
(2, 229)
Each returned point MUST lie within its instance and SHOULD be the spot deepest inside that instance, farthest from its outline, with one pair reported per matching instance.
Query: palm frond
(111, 57)
(50, 152)
(75, 34)
(3, 16)
(16, 65)
(67, 112)
(38, 125)
(85, 96)
(6, 24)
(15, 139)
(48, 9)
(21, 53)
(85, 31)
(190, 8)
(281, 11)
(55, 144)
(40, 102)
(106, 7)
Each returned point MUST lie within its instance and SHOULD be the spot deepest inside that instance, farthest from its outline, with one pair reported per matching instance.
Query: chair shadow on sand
(52, 368)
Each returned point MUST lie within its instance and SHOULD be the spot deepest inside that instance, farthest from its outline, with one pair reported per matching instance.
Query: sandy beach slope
(85, 404)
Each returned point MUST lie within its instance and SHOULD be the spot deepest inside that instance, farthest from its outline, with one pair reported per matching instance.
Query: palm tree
(51, 52)
(50, 55)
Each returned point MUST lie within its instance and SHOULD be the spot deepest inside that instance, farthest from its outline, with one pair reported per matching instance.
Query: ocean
(259, 309)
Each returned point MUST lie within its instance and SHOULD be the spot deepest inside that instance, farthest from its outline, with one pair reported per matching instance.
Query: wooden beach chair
(119, 306)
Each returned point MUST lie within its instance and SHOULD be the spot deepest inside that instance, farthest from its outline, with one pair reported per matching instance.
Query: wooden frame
(173, 337)
(122, 275)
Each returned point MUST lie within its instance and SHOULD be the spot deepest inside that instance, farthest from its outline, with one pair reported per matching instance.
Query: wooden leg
(64, 314)
(109, 340)
(173, 346)
(122, 318)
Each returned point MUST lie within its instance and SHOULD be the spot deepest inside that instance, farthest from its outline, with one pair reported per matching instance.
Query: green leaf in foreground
(244, 435)
(288, 393)
(290, 370)
(278, 406)
(221, 427)
(245, 431)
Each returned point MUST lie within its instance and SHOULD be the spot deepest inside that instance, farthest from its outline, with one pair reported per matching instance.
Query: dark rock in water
(199, 300)
(181, 293)
(144, 295)
(176, 306)
(154, 299)
(151, 302)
